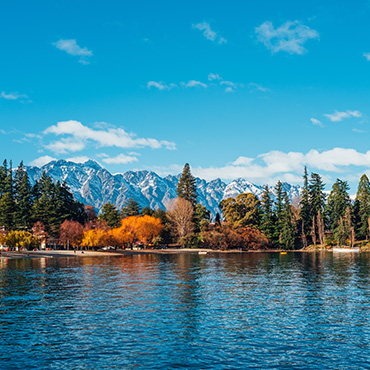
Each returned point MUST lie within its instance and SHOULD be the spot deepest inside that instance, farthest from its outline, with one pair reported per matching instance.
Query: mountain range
(92, 184)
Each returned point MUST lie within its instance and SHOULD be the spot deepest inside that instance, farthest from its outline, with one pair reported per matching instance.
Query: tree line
(29, 214)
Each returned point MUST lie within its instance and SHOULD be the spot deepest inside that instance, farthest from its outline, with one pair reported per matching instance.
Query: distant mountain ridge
(92, 184)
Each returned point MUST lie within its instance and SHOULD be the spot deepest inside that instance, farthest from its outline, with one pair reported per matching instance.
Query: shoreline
(122, 252)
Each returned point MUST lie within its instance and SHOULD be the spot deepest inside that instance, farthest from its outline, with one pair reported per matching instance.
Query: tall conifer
(187, 188)
(267, 217)
(362, 203)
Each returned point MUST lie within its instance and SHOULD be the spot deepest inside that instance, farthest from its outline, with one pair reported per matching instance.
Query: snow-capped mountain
(92, 184)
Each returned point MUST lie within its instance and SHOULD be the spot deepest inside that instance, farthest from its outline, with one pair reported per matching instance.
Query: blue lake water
(187, 311)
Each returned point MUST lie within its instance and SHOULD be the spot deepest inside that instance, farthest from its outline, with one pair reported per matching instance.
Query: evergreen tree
(7, 211)
(130, 208)
(146, 211)
(110, 215)
(362, 207)
(44, 208)
(267, 217)
(23, 194)
(201, 216)
(338, 201)
(305, 209)
(278, 214)
(316, 194)
(187, 188)
(287, 226)
(3, 176)
(217, 219)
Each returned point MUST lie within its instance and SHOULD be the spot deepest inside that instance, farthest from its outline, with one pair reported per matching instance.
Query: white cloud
(316, 122)
(243, 161)
(80, 134)
(120, 159)
(271, 166)
(208, 33)
(367, 56)
(79, 159)
(42, 160)
(289, 37)
(213, 76)
(65, 146)
(71, 47)
(259, 87)
(193, 83)
(12, 96)
(229, 89)
(160, 85)
(339, 116)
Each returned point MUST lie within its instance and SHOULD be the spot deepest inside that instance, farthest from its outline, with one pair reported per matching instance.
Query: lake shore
(121, 252)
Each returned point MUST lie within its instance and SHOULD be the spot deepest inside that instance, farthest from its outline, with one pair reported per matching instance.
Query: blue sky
(237, 89)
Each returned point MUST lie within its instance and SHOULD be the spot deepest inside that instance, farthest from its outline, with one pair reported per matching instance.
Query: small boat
(283, 252)
(345, 250)
(202, 252)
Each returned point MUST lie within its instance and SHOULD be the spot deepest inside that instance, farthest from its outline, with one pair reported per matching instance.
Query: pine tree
(287, 231)
(267, 217)
(316, 194)
(130, 208)
(110, 215)
(279, 207)
(305, 209)
(201, 216)
(7, 211)
(338, 201)
(187, 188)
(23, 193)
(362, 205)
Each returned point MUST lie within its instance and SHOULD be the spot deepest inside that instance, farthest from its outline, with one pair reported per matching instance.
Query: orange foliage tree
(148, 228)
(71, 233)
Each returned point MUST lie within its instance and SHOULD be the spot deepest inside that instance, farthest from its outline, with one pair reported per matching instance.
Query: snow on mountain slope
(92, 184)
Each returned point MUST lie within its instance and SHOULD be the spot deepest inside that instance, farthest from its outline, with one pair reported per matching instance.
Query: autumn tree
(21, 239)
(148, 228)
(180, 215)
(71, 233)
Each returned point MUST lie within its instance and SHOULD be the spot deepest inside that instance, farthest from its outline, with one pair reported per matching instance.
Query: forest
(47, 214)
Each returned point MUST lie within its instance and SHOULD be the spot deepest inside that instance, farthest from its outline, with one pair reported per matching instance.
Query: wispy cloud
(208, 33)
(316, 122)
(71, 47)
(120, 159)
(367, 56)
(75, 137)
(212, 77)
(258, 87)
(289, 37)
(38, 162)
(339, 116)
(193, 83)
(160, 85)
(12, 96)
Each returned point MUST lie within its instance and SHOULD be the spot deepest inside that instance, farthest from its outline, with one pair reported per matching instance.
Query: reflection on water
(226, 311)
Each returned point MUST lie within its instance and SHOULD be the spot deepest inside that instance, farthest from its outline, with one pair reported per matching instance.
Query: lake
(186, 311)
